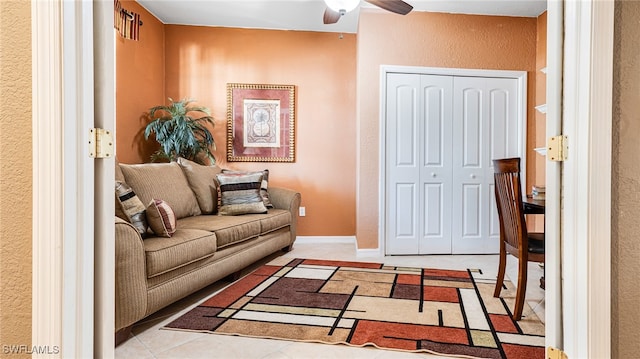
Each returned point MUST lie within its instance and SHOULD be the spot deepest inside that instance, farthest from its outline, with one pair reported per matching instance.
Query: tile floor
(149, 341)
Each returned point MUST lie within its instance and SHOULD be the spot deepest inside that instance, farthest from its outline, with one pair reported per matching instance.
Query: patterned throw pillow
(264, 192)
(133, 209)
(161, 218)
(240, 193)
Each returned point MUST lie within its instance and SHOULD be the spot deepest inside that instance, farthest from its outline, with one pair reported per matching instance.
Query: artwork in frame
(260, 123)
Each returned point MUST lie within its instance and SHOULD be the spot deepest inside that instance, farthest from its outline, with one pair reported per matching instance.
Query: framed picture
(260, 123)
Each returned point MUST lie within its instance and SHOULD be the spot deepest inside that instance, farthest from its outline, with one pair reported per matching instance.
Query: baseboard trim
(368, 252)
(360, 252)
(325, 239)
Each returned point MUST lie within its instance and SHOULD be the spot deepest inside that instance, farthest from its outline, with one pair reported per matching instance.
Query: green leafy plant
(180, 134)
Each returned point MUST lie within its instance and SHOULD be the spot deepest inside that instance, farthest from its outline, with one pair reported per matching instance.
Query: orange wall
(139, 85)
(433, 40)
(200, 61)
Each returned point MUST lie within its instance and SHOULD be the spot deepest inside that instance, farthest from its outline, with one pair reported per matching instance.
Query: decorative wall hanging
(126, 22)
(260, 123)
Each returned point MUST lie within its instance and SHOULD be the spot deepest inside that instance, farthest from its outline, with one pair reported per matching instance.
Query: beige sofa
(154, 272)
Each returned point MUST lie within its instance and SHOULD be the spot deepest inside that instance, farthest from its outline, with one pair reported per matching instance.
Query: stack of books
(538, 191)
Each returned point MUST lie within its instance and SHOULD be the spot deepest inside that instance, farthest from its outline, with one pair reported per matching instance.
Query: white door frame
(63, 177)
(65, 232)
(553, 268)
(105, 115)
(48, 234)
(586, 190)
(520, 76)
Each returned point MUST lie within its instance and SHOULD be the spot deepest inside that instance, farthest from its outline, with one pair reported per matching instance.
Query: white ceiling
(307, 14)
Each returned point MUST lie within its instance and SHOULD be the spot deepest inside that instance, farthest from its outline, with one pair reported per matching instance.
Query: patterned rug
(411, 309)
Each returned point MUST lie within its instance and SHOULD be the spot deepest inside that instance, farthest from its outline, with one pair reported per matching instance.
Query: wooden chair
(514, 237)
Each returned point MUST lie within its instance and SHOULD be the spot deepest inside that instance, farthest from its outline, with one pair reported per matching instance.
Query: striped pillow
(161, 218)
(240, 193)
(264, 191)
(130, 205)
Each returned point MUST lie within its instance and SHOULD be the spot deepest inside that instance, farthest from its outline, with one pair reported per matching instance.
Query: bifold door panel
(442, 133)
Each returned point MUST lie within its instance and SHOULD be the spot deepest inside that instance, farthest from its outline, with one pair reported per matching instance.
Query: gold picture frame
(260, 123)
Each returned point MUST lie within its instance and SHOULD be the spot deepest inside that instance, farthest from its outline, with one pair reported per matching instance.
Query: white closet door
(436, 169)
(485, 127)
(442, 133)
(419, 164)
(403, 175)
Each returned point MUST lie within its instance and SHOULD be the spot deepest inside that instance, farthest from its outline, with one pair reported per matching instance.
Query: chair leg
(521, 290)
(501, 269)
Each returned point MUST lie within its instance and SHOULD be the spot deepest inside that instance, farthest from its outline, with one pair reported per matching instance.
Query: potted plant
(180, 134)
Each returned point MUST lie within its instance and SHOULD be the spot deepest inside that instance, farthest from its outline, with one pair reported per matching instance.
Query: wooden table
(534, 206)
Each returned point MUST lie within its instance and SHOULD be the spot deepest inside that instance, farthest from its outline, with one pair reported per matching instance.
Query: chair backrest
(513, 228)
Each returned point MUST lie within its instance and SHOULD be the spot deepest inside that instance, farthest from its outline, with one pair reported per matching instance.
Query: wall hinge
(557, 148)
(555, 353)
(100, 143)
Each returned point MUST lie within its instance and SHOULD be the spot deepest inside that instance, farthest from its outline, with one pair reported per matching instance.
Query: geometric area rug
(446, 312)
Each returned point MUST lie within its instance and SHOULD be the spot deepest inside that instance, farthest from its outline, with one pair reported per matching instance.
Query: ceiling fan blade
(397, 6)
(330, 16)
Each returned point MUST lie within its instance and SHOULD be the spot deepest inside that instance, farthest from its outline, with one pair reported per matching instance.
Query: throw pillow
(162, 180)
(264, 191)
(201, 180)
(161, 218)
(240, 193)
(119, 174)
(130, 205)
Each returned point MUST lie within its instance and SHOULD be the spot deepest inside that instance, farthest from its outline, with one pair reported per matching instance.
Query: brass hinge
(100, 143)
(555, 353)
(557, 148)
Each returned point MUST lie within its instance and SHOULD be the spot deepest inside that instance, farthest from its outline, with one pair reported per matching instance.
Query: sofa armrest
(131, 275)
(283, 198)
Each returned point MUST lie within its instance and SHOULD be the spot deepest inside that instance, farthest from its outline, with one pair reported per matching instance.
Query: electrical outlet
(302, 211)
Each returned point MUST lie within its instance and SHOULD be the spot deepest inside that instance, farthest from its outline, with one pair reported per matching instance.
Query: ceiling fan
(337, 8)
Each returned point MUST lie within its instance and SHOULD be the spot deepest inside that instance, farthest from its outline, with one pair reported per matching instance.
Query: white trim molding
(46, 25)
(360, 252)
(553, 250)
(586, 222)
(105, 105)
(63, 175)
(369, 253)
(78, 184)
(325, 239)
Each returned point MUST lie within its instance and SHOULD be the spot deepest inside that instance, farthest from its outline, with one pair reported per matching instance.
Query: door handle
(472, 176)
(433, 174)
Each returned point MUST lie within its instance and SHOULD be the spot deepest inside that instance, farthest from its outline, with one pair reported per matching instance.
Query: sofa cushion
(162, 181)
(161, 218)
(130, 208)
(228, 229)
(275, 219)
(202, 181)
(184, 247)
(240, 193)
(234, 229)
